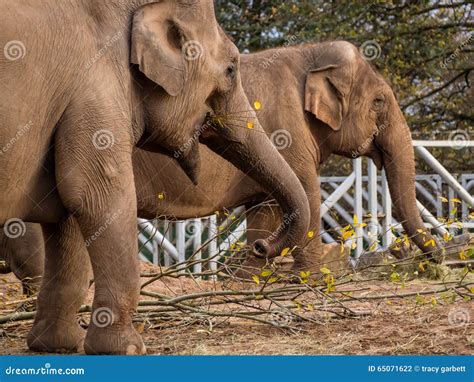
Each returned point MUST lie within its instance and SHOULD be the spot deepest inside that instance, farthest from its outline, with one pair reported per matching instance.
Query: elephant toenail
(132, 350)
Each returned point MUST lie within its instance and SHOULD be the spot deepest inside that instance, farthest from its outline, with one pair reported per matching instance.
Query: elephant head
(361, 116)
(188, 70)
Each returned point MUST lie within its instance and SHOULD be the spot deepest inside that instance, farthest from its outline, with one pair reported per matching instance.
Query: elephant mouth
(187, 155)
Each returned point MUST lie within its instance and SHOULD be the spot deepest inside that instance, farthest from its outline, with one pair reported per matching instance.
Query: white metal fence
(363, 194)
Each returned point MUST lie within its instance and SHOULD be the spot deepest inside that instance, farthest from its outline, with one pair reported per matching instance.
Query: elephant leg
(24, 256)
(29, 254)
(261, 221)
(308, 257)
(95, 180)
(64, 286)
(315, 254)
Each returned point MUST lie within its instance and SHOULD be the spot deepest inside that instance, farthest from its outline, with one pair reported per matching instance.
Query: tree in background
(424, 48)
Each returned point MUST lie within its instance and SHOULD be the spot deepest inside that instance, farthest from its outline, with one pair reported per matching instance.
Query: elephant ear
(156, 43)
(323, 98)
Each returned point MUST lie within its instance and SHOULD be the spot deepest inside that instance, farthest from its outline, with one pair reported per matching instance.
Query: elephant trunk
(399, 163)
(241, 140)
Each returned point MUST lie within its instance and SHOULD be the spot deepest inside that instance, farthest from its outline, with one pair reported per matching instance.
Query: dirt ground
(438, 323)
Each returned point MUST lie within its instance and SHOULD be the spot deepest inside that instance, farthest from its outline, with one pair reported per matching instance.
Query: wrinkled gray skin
(286, 82)
(72, 109)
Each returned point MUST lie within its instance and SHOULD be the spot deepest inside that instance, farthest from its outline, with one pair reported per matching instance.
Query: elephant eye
(230, 71)
(378, 102)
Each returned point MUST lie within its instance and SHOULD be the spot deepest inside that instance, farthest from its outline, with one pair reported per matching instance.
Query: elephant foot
(114, 340)
(56, 337)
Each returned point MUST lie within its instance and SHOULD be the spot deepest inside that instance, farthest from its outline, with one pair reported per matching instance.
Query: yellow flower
(161, 196)
(430, 243)
(250, 125)
(257, 105)
(447, 236)
(325, 271)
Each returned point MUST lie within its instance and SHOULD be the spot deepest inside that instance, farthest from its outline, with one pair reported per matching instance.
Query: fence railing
(444, 200)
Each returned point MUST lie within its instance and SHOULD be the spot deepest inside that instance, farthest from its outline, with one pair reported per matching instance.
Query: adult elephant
(72, 109)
